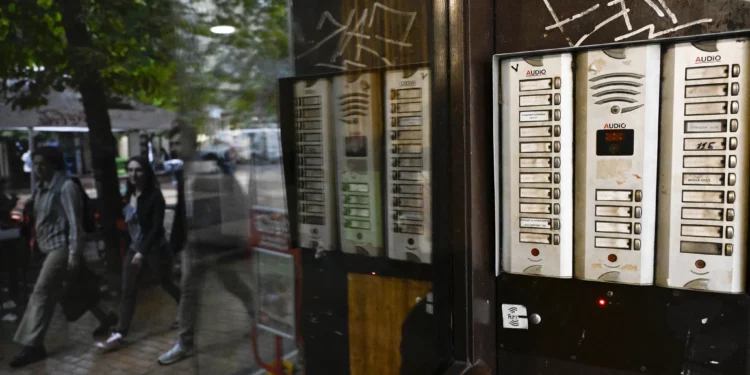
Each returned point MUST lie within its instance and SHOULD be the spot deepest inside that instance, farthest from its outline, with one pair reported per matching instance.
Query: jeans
(48, 290)
(160, 263)
(194, 270)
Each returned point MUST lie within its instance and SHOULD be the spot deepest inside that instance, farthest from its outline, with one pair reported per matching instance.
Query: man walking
(219, 201)
(58, 213)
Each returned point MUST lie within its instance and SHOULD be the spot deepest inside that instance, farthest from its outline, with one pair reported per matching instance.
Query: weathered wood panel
(377, 309)
(530, 25)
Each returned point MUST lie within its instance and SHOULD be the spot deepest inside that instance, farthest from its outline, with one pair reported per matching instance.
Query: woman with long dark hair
(144, 215)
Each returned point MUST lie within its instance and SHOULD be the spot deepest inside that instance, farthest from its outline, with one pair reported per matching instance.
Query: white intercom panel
(536, 148)
(408, 151)
(359, 128)
(315, 162)
(617, 132)
(704, 166)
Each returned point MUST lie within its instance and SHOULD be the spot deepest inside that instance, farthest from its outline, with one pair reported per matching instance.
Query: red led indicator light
(602, 302)
(373, 273)
(700, 264)
(535, 252)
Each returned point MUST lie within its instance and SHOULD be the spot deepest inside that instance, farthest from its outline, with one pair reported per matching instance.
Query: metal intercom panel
(704, 166)
(315, 164)
(359, 131)
(617, 132)
(536, 147)
(408, 151)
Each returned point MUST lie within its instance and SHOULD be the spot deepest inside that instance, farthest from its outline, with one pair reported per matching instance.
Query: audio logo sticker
(514, 317)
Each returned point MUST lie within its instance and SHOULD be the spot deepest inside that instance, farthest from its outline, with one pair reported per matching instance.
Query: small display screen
(356, 146)
(615, 142)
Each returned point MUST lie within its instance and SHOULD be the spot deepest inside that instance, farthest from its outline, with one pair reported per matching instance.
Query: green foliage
(158, 52)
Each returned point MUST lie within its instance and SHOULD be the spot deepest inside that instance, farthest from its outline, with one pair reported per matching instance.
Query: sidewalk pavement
(224, 344)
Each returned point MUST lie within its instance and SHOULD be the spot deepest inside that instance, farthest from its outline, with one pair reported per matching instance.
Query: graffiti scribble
(624, 13)
(355, 33)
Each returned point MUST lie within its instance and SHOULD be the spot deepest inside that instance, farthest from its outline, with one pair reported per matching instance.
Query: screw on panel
(643, 368)
(610, 293)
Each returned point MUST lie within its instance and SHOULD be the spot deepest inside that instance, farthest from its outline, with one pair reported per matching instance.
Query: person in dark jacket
(144, 215)
(204, 227)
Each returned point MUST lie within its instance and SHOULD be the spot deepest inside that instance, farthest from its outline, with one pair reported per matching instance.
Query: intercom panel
(408, 151)
(704, 166)
(536, 145)
(315, 164)
(359, 131)
(617, 131)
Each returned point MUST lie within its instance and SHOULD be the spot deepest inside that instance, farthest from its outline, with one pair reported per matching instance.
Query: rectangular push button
(721, 71)
(537, 100)
(535, 84)
(715, 179)
(711, 231)
(535, 131)
(528, 222)
(703, 91)
(535, 208)
(613, 227)
(535, 238)
(612, 243)
(535, 163)
(711, 108)
(527, 147)
(708, 126)
(707, 248)
(704, 162)
(703, 196)
(702, 213)
(614, 211)
(534, 116)
(705, 144)
(535, 193)
(614, 195)
(535, 178)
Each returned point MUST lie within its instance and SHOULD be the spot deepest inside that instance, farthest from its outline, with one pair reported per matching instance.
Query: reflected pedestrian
(218, 201)
(58, 213)
(144, 215)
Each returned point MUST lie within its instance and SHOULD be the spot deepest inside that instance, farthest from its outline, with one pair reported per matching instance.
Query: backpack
(89, 212)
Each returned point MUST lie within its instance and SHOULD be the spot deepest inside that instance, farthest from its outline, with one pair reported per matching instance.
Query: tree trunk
(88, 78)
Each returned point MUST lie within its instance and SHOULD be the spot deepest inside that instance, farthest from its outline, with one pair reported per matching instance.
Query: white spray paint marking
(360, 31)
(652, 34)
(326, 16)
(579, 15)
(669, 11)
(557, 20)
(656, 8)
(353, 34)
(625, 16)
(413, 16)
(602, 24)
